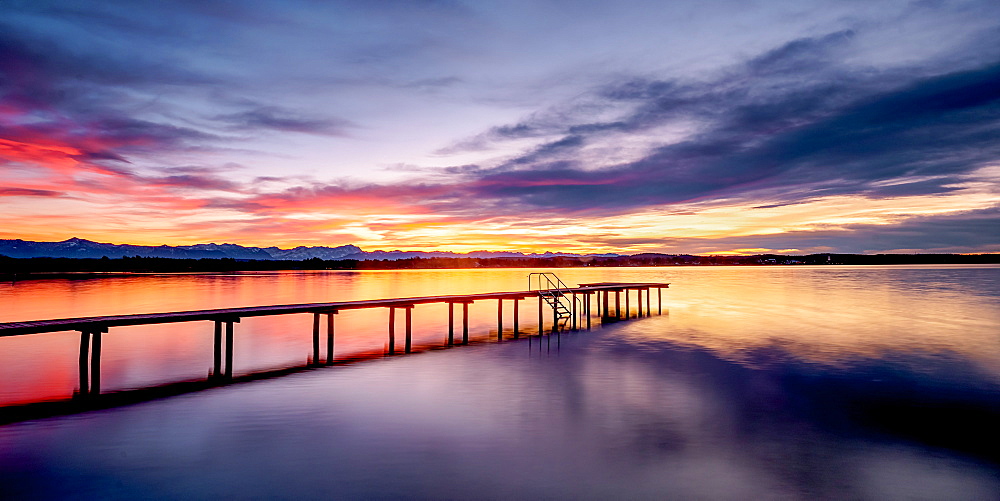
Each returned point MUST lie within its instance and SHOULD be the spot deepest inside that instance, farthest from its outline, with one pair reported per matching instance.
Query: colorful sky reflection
(680, 127)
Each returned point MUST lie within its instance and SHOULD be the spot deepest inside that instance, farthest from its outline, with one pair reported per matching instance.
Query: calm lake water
(754, 383)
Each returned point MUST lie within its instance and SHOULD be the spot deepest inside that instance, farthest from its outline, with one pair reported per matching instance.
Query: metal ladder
(554, 292)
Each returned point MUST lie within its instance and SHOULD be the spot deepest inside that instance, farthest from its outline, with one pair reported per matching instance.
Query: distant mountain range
(80, 248)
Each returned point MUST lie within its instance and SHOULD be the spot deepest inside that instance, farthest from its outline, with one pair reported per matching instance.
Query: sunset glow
(464, 127)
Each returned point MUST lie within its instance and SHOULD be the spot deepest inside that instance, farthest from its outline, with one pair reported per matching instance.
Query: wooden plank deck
(102, 323)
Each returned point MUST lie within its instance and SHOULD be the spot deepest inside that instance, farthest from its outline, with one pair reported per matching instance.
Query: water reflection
(597, 417)
(799, 383)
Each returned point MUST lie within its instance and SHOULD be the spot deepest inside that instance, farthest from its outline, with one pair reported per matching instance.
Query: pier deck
(101, 323)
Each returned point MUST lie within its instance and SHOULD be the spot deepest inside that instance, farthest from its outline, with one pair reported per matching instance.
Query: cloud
(198, 182)
(55, 96)
(801, 55)
(130, 101)
(364, 199)
(974, 231)
(273, 118)
(28, 192)
(111, 100)
(758, 131)
(433, 84)
(905, 188)
(761, 137)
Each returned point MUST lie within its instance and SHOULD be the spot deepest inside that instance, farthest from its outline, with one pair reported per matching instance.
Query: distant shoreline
(87, 268)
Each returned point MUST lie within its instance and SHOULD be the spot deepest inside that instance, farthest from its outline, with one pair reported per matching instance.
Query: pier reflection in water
(754, 383)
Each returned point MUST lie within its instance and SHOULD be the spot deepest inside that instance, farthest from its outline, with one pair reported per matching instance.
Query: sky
(701, 127)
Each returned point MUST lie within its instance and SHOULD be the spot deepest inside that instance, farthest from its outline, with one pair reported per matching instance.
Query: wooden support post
(555, 317)
(649, 308)
(217, 359)
(465, 323)
(541, 320)
(588, 310)
(392, 330)
(84, 363)
(618, 304)
(659, 299)
(95, 364)
(229, 349)
(574, 311)
(607, 301)
(218, 369)
(451, 323)
(329, 336)
(499, 319)
(409, 330)
(638, 301)
(628, 309)
(315, 357)
(90, 362)
(517, 301)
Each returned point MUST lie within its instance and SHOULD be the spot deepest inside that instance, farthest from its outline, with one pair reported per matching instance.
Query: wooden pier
(573, 316)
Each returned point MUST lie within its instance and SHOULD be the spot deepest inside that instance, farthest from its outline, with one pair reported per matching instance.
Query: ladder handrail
(548, 276)
(555, 286)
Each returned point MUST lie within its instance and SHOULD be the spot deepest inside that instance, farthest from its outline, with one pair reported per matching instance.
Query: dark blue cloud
(103, 79)
(571, 142)
(762, 130)
(274, 118)
(56, 93)
(804, 55)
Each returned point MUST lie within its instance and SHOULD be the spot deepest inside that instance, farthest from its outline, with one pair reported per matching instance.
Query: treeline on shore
(16, 268)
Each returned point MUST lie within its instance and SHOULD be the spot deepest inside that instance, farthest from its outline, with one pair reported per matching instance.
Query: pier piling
(329, 336)
(516, 302)
(217, 359)
(218, 369)
(500, 319)
(229, 348)
(90, 362)
(451, 323)
(84, 363)
(409, 330)
(95, 363)
(465, 323)
(574, 310)
(541, 320)
(588, 294)
(392, 330)
(315, 357)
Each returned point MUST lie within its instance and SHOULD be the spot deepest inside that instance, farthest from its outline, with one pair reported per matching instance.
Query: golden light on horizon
(373, 223)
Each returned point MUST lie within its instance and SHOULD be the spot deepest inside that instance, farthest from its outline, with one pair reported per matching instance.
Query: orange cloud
(57, 157)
